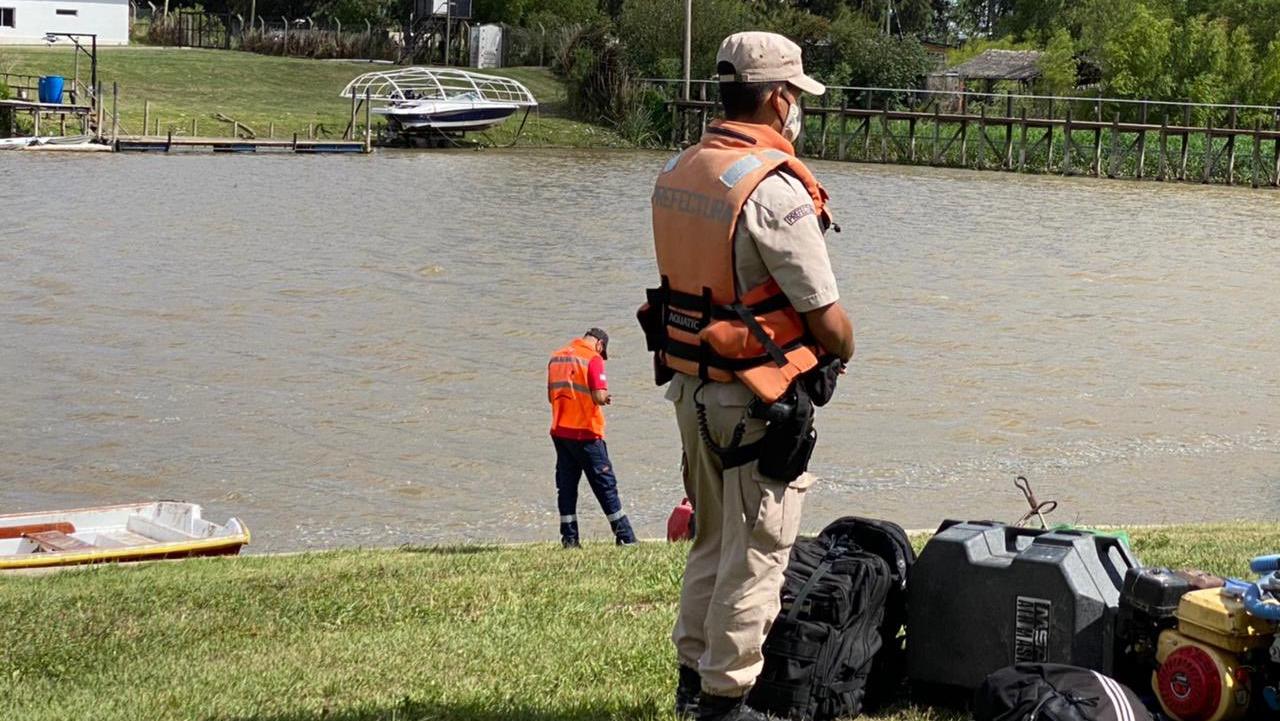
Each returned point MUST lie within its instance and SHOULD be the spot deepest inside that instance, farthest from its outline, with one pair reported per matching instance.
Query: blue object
(1265, 564)
(1257, 597)
(1273, 699)
(51, 89)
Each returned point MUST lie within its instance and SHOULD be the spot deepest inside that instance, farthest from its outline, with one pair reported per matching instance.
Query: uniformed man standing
(746, 317)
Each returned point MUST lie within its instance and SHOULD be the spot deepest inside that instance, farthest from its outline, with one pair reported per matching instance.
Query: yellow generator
(1213, 664)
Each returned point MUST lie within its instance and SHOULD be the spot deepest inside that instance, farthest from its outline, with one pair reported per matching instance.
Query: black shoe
(688, 688)
(724, 708)
(570, 543)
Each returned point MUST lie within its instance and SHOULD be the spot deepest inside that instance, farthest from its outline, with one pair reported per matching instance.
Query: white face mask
(791, 124)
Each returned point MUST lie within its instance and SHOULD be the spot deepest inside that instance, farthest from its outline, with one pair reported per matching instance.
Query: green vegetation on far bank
(470, 633)
(258, 90)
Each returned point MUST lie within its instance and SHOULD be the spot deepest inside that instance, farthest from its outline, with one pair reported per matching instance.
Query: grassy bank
(258, 90)
(469, 633)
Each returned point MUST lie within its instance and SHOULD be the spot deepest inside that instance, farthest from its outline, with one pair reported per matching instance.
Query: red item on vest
(680, 522)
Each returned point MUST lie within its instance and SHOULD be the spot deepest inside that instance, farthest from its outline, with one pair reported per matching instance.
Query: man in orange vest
(577, 390)
(748, 329)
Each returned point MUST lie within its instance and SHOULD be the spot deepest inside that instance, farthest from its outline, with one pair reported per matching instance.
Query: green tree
(1198, 63)
(651, 30)
(865, 56)
(1058, 65)
(1034, 19)
(1241, 67)
(1137, 57)
(1092, 23)
(1268, 90)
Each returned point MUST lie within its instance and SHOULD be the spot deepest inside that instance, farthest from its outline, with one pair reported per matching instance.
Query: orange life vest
(569, 389)
(697, 321)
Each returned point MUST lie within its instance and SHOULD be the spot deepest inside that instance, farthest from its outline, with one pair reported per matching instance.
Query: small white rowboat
(131, 532)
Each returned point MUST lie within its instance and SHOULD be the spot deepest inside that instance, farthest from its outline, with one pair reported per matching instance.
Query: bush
(601, 87)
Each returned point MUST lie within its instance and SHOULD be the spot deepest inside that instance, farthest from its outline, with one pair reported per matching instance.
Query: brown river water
(351, 350)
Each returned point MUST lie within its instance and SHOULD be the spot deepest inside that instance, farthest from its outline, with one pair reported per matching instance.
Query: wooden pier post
(115, 112)
(964, 141)
(675, 114)
(351, 127)
(368, 121)
(1007, 161)
(1022, 143)
(1114, 160)
(937, 134)
(271, 130)
(1208, 151)
(35, 120)
(1048, 156)
(1066, 145)
(146, 117)
(911, 132)
(1275, 163)
(822, 149)
(982, 138)
(1162, 173)
(884, 132)
(1231, 150)
(1186, 138)
(866, 138)
(1142, 141)
(1257, 153)
(843, 146)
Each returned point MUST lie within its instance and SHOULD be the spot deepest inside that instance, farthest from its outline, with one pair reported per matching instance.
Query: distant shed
(990, 67)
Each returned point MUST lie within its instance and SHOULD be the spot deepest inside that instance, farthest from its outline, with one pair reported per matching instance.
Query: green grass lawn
(469, 633)
(259, 90)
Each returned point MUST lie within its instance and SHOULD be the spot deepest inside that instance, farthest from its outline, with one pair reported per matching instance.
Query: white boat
(52, 142)
(131, 532)
(443, 100)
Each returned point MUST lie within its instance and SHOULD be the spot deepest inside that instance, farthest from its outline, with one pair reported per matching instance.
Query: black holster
(789, 438)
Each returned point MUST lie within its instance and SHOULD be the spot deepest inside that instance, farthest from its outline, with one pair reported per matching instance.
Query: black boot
(725, 708)
(688, 688)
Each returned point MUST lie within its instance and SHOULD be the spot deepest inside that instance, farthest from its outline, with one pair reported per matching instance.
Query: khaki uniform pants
(746, 524)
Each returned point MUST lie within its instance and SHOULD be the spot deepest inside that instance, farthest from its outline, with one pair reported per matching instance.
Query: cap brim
(808, 85)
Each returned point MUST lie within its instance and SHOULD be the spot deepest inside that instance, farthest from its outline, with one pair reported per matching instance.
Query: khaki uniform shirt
(778, 235)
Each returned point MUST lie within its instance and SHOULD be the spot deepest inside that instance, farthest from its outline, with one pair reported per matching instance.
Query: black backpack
(1055, 692)
(818, 655)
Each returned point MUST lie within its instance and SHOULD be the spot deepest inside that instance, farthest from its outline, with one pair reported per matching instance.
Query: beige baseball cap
(760, 57)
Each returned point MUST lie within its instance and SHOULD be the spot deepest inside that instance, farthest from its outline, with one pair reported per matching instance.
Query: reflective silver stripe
(772, 154)
(1124, 712)
(671, 164)
(740, 170)
(569, 359)
(556, 385)
(569, 519)
(615, 516)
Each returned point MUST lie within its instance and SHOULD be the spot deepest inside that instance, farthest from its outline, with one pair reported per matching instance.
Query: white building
(25, 22)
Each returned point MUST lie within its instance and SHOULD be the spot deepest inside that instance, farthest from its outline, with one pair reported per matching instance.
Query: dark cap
(604, 341)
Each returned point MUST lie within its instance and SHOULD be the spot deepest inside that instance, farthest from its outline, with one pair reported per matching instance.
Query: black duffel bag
(1055, 692)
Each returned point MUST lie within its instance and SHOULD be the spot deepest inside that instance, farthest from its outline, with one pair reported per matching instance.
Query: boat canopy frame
(419, 83)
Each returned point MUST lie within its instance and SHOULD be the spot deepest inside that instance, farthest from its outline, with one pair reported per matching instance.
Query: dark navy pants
(573, 458)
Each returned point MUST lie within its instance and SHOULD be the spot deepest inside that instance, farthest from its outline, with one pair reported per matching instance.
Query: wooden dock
(995, 136)
(170, 143)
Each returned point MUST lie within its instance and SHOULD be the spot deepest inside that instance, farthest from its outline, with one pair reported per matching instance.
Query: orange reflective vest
(697, 322)
(568, 387)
